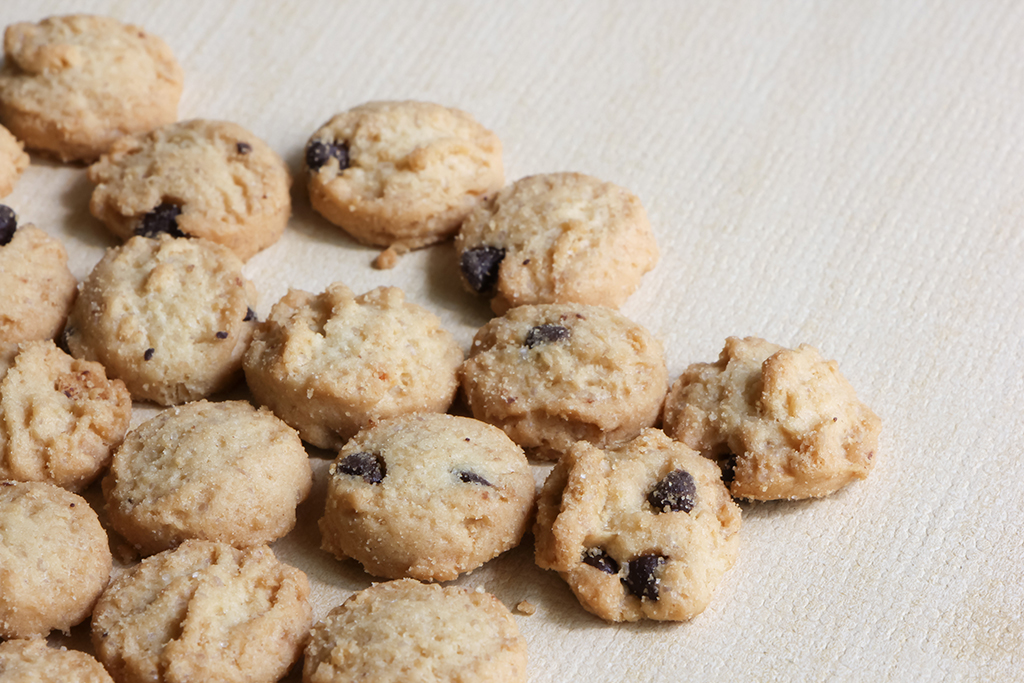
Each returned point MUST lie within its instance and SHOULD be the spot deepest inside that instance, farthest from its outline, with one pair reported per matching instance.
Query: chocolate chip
(545, 334)
(148, 355)
(221, 335)
(163, 218)
(640, 579)
(597, 557)
(472, 478)
(480, 267)
(677, 492)
(250, 315)
(243, 147)
(8, 224)
(366, 465)
(319, 153)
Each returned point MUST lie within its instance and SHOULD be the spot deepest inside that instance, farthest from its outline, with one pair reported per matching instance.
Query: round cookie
(38, 288)
(427, 496)
(553, 374)
(71, 85)
(13, 161)
(556, 238)
(54, 559)
(330, 364)
(60, 418)
(408, 631)
(203, 612)
(171, 317)
(401, 173)
(200, 178)
(642, 531)
(214, 471)
(31, 660)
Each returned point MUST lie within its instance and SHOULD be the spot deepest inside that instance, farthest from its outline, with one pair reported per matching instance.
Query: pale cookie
(203, 612)
(556, 238)
(330, 364)
(71, 85)
(169, 316)
(642, 531)
(214, 471)
(54, 559)
(13, 161)
(551, 375)
(60, 418)
(401, 173)
(404, 630)
(38, 288)
(783, 423)
(32, 661)
(210, 179)
(427, 496)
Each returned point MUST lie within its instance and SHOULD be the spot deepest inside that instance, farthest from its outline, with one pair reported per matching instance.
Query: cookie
(646, 530)
(32, 661)
(214, 471)
(556, 238)
(554, 374)
(60, 417)
(427, 496)
(783, 423)
(330, 364)
(38, 288)
(71, 85)
(171, 317)
(13, 161)
(203, 612)
(409, 631)
(401, 174)
(54, 559)
(200, 178)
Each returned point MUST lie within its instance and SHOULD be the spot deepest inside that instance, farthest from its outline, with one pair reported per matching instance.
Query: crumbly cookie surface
(408, 631)
(556, 238)
(54, 559)
(203, 612)
(330, 363)
(171, 317)
(199, 178)
(30, 660)
(784, 421)
(71, 85)
(13, 160)
(220, 471)
(401, 173)
(427, 496)
(642, 531)
(38, 288)
(553, 374)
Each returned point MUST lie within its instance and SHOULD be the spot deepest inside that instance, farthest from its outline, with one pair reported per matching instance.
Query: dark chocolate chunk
(221, 335)
(599, 558)
(640, 579)
(366, 465)
(677, 492)
(250, 315)
(243, 147)
(472, 478)
(8, 224)
(163, 218)
(480, 267)
(545, 334)
(319, 153)
(148, 355)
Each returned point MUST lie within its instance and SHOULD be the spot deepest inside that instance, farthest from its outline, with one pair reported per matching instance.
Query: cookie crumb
(526, 608)
(387, 259)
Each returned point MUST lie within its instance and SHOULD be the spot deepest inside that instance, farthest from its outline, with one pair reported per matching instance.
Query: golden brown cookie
(32, 661)
(13, 161)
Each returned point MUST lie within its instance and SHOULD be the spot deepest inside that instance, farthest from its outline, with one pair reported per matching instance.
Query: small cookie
(551, 375)
(210, 179)
(556, 238)
(203, 612)
(38, 288)
(427, 496)
(330, 364)
(401, 173)
(71, 85)
(32, 661)
(214, 471)
(13, 161)
(169, 316)
(642, 531)
(409, 631)
(783, 423)
(60, 418)
(54, 559)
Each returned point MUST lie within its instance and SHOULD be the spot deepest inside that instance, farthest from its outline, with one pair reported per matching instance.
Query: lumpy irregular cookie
(642, 531)
(216, 471)
(784, 423)
(401, 173)
(71, 85)
(38, 288)
(427, 496)
(54, 559)
(169, 316)
(554, 374)
(13, 161)
(557, 238)
(60, 418)
(408, 631)
(32, 661)
(199, 178)
(203, 612)
(329, 364)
